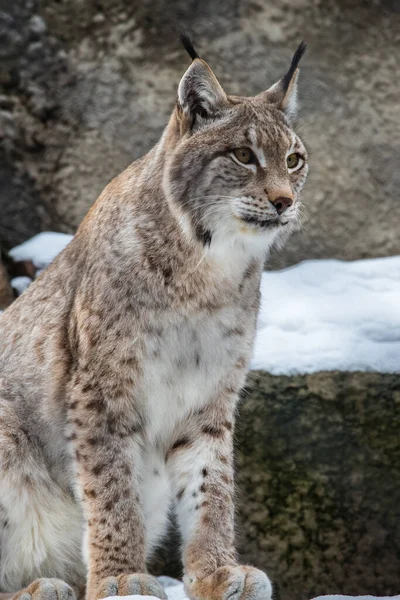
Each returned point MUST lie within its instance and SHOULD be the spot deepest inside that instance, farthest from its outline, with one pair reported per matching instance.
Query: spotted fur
(121, 365)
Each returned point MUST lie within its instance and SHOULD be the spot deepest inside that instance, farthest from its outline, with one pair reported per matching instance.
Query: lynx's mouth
(270, 223)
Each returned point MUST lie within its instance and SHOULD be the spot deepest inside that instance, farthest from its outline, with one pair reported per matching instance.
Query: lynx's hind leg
(40, 523)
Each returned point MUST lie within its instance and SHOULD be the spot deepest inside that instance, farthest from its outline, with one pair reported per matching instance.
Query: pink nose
(281, 204)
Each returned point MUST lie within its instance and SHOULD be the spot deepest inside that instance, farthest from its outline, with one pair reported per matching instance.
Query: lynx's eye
(244, 155)
(294, 160)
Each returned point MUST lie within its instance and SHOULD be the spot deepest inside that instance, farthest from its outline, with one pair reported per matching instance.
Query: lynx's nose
(281, 204)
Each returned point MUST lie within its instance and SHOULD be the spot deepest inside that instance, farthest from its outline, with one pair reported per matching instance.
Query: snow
(42, 249)
(319, 315)
(173, 595)
(20, 283)
(330, 314)
(177, 593)
(337, 597)
(174, 590)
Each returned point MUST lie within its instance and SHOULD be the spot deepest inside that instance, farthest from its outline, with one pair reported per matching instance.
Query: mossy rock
(318, 474)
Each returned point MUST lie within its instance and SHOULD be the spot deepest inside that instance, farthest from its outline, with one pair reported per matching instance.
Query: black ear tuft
(295, 62)
(188, 45)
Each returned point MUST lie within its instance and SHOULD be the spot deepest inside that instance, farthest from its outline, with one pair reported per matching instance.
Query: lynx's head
(235, 167)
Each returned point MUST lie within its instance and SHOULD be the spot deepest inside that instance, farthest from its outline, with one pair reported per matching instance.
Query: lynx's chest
(187, 359)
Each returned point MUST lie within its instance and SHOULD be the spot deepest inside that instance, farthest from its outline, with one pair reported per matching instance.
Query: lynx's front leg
(106, 438)
(201, 464)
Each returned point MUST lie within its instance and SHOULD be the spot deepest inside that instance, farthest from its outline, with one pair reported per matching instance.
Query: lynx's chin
(258, 226)
(271, 223)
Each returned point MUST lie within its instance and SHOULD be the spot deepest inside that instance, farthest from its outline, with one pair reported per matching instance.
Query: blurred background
(86, 87)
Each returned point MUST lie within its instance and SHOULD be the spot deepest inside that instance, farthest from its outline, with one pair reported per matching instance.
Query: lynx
(121, 365)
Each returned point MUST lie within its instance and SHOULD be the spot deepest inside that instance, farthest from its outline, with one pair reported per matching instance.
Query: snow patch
(20, 284)
(175, 591)
(337, 597)
(330, 314)
(319, 315)
(42, 249)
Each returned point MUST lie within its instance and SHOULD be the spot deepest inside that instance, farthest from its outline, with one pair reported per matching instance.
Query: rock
(319, 483)
(6, 294)
(98, 18)
(333, 491)
(37, 25)
(22, 212)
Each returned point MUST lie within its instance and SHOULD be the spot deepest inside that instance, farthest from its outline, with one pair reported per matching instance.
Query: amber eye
(244, 155)
(292, 160)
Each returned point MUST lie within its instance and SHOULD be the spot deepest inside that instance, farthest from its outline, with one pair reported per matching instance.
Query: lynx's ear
(199, 93)
(284, 93)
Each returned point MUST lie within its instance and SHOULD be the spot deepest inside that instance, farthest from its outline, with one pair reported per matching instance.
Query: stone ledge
(318, 477)
(6, 294)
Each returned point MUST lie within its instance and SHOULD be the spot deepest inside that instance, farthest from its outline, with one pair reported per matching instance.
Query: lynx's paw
(129, 585)
(230, 583)
(46, 589)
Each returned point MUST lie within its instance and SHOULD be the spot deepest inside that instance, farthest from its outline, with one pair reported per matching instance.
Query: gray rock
(318, 471)
(37, 25)
(6, 294)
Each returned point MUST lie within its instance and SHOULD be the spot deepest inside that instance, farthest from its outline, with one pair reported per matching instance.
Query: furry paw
(230, 583)
(129, 585)
(46, 589)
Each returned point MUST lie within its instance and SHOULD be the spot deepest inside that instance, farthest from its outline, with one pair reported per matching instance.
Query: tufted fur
(120, 367)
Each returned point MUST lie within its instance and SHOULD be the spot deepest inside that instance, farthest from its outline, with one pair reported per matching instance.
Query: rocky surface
(6, 293)
(86, 87)
(318, 474)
